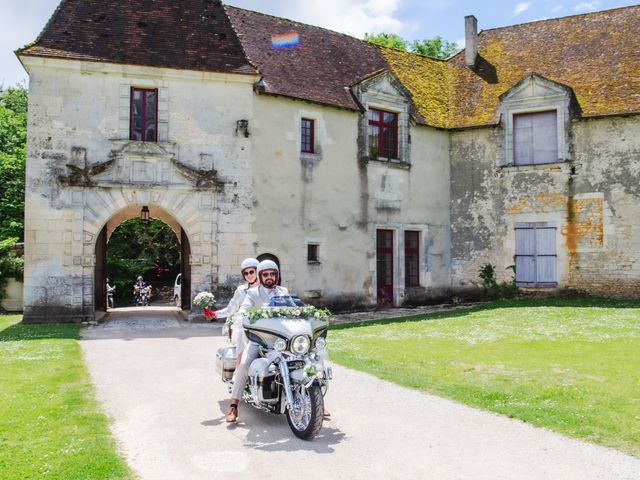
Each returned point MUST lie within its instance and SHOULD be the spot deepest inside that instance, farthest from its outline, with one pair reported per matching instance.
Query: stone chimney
(470, 40)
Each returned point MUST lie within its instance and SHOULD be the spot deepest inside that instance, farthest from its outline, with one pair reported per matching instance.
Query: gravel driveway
(155, 376)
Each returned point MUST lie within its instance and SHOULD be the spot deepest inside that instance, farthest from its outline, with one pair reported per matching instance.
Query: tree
(390, 40)
(13, 138)
(435, 47)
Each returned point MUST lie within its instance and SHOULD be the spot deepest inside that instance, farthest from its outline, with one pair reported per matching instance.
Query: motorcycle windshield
(285, 301)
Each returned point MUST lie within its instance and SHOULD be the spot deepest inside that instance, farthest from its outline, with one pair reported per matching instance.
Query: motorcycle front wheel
(305, 415)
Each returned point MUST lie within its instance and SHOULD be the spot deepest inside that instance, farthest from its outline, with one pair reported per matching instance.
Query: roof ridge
(361, 40)
(299, 23)
(597, 12)
(244, 51)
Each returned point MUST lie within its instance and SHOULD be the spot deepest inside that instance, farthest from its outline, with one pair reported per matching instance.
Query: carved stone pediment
(139, 163)
(382, 84)
(535, 86)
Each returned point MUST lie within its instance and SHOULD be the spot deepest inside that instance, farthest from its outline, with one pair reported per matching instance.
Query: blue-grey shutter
(545, 137)
(525, 254)
(546, 255)
(522, 139)
(535, 138)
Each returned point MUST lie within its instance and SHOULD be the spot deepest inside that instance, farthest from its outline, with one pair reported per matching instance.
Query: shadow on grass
(553, 302)
(21, 332)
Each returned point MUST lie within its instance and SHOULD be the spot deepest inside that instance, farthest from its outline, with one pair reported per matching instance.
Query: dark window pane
(313, 251)
(412, 259)
(307, 134)
(144, 108)
(383, 134)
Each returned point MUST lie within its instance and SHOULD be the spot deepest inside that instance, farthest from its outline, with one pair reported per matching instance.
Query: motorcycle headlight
(280, 344)
(300, 344)
(321, 342)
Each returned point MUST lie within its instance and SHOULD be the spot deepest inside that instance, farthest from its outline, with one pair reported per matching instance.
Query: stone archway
(133, 211)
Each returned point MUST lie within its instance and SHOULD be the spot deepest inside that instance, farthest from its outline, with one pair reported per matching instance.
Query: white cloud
(587, 6)
(557, 8)
(521, 7)
(354, 17)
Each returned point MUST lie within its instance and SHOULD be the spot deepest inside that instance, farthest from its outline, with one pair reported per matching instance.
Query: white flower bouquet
(204, 300)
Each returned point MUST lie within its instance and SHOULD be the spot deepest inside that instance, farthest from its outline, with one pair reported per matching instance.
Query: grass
(571, 365)
(50, 422)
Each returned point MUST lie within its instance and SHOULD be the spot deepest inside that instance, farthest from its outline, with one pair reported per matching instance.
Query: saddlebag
(226, 362)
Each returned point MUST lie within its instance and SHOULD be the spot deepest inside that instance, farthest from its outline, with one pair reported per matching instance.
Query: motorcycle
(290, 375)
(142, 294)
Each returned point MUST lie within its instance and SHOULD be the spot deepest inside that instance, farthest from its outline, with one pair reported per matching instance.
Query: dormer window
(144, 115)
(535, 138)
(536, 121)
(383, 134)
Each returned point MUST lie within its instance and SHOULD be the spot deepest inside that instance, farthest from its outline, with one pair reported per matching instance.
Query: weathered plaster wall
(332, 199)
(593, 200)
(79, 115)
(13, 299)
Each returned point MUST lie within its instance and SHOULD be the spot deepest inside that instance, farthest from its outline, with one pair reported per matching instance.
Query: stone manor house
(373, 176)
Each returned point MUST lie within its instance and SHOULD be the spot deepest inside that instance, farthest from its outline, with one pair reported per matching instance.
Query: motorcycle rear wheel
(305, 415)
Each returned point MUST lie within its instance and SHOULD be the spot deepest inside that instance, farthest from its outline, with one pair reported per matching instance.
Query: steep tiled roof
(185, 34)
(596, 54)
(428, 81)
(317, 69)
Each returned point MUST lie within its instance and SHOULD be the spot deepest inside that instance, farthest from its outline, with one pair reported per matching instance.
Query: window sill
(392, 162)
(536, 286)
(564, 166)
(310, 156)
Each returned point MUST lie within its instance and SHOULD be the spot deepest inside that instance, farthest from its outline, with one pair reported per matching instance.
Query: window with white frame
(536, 257)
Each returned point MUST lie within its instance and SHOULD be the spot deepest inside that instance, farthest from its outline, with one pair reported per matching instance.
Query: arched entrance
(152, 212)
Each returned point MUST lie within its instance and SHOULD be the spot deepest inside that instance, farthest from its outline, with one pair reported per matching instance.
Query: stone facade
(264, 196)
(592, 199)
(228, 175)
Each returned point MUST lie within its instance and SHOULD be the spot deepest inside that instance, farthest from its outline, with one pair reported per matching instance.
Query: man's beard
(269, 282)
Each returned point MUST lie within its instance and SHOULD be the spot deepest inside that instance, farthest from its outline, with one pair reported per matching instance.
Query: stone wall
(333, 199)
(593, 199)
(84, 174)
(13, 299)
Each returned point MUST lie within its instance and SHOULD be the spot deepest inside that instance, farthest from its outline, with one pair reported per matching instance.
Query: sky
(22, 20)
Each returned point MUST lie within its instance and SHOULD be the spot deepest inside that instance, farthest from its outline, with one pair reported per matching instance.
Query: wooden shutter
(525, 256)
(536, 254)
(546, 255)
(535, 138)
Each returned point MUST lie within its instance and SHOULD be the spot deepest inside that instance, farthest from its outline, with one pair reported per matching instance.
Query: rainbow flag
(285, 40)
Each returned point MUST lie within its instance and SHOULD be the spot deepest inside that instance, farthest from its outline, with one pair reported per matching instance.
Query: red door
(384, 256)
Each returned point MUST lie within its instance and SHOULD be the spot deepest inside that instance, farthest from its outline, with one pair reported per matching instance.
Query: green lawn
(569, 365)
(50, 423)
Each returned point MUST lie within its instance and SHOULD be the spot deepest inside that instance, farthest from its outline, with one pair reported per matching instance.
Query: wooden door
(185, 270)
(99, 280)
(384, 262)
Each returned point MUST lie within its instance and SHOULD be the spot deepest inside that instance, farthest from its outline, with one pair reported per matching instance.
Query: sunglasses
(246, 273)
(269, 274)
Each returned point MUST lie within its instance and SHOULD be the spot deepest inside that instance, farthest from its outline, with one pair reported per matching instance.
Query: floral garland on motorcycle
(307, 312)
